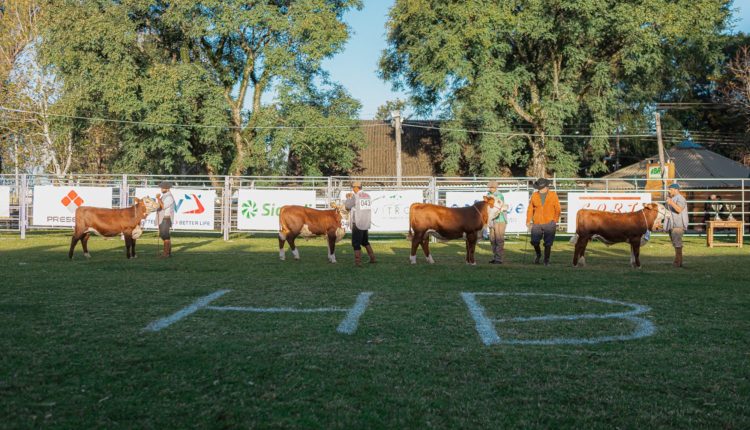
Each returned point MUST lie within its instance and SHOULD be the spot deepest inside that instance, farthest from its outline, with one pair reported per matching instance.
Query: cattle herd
(425, 221)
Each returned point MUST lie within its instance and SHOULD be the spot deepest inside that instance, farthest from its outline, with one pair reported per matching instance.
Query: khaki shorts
(676, 235)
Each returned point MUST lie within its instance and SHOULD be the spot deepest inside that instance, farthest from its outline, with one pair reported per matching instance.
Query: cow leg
(580, 249)
(85, 244)
(132, 248)
(128, 241)
(471, 244)
(635, 249)
(416, 239)
(332, 246)
(282, 253)
(295, 252)
(426, 249)
(73, 242)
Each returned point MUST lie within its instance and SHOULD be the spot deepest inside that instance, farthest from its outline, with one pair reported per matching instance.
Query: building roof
(692, 161)
(420, 149)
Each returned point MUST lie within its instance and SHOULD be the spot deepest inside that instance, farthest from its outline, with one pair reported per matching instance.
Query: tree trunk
(538, 164)
(239, 159)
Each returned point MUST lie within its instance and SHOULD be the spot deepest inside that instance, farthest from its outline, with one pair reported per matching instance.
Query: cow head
(151, 204)
(494, 207)
(144, 206)
(340, 208)
(660, 215)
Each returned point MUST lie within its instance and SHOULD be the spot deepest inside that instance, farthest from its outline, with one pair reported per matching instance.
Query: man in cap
(165, 215)
(677, 221)
(359, 205)
(497, 225)
(544, 213)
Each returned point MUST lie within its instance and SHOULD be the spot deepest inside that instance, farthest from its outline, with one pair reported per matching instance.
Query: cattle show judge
(359, 205)
(542, 218)
(165, 216)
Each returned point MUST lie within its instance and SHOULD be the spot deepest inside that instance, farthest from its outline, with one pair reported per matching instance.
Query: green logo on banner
(249, 209)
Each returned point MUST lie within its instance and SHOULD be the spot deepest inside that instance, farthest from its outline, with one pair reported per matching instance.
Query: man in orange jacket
(542, 217)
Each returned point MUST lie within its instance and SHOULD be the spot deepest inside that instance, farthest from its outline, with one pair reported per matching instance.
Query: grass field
(74, 353)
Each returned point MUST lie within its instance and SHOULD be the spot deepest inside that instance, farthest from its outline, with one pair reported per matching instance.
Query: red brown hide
(447, 224)
(108, 223)
(612, 228)
(297, 221)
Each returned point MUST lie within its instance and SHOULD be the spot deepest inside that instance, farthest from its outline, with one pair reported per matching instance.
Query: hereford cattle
(427, 220)
(111, 222)
(306, 222)
(613, 228)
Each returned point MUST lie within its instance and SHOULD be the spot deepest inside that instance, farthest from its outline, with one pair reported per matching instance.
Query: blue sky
(356, 66)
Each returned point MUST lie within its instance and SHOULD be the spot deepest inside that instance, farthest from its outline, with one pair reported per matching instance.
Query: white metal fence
(733, 192)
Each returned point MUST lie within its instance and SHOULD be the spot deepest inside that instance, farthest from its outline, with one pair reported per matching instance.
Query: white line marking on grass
(487, 332)
(351, 320)
(274, 310)
(182, 313)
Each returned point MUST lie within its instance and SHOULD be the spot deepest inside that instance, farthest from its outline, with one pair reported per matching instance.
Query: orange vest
(543, 214)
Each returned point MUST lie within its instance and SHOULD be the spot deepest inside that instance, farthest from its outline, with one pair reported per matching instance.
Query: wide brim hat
(492, 184)
(541, 183)
(165, 184)
(357, 184)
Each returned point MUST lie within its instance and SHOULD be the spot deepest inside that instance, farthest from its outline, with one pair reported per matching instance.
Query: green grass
(73, 353)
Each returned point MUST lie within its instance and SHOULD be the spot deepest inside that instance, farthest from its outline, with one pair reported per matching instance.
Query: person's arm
(349, 203)
(158, 200)
(677, 208)
(558, 209)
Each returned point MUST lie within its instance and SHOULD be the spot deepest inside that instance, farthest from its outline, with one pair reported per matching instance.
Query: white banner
(194, 208)
(517, 201)
(4, 202)
(56, 206)
(390, 209)
(610, 202)
(259, 209)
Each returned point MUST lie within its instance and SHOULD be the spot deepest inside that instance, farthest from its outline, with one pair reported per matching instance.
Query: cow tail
(574, 239)
(282, 226)
(410, 236)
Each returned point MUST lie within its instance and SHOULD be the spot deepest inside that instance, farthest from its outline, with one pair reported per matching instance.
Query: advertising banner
(517, 201)
(610, 202)
(390, 209)
(194, 208)
(56, 206)
(4, 202)
(258, 210)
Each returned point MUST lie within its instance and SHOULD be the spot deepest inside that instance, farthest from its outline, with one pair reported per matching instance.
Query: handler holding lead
(544, 211)
(497, 225)
(359, 205)
(164, 216)
(677, 221)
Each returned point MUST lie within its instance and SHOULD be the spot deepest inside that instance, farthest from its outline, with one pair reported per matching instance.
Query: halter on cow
(613, 228)
(111, 222)
(427, 220)
(306, 222)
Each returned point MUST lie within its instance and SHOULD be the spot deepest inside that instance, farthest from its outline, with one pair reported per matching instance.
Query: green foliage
(539, 67)
(384, 111)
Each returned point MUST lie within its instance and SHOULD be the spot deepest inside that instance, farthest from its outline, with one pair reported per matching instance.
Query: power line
(520, 134)
(163, 124)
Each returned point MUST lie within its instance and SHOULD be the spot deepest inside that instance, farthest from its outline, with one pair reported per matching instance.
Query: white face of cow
(661, 215)
(494, 210)
(341, 209)
(151, 204)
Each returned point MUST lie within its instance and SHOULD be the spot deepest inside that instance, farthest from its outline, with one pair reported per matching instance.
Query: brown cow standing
(111, 222)
(307, 222)
(427, 220)
(610, 227)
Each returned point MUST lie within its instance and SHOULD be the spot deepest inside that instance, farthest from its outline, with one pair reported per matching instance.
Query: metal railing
(733, 192)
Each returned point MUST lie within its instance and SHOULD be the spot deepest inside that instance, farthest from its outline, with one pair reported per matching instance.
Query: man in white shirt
(165, 216)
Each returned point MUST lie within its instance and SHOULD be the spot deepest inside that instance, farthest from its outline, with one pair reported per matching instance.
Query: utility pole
(396, 116)
(660, 143)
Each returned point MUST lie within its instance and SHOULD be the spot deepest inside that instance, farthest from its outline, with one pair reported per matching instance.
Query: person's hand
(349, 195)
(669, 200)
(158, 196)
(528, 226)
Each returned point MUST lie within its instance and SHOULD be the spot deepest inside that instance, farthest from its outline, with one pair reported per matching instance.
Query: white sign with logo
(610, 202)
(258, 210)
(390, 209)
(56, 206)
(194, 208)
(517, 201)
(4, 202)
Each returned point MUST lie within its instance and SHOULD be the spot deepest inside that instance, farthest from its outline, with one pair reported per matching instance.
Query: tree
(736, 88)
(384, 111)
(531, 70)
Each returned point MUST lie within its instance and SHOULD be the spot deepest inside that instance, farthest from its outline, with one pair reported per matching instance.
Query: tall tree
(531, 69)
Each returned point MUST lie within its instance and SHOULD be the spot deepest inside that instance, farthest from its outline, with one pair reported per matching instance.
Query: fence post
(227, 207)
(21, 190)
(743, 207)
(329, 190)
(124, 192)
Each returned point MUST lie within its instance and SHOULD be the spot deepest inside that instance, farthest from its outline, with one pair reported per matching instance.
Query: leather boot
(547, 252)
(677, 257)
(358, 258)
(167, 249)
(538, 251)
(370, 253)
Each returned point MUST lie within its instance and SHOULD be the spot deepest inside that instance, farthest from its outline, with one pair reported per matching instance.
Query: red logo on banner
(72, 201)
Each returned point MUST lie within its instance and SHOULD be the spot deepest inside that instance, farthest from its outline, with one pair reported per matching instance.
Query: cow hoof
(295, 253)
(87, 255)
(135, 256)
(332, 259)
(430, 260)
(413, 259)
(471, 264)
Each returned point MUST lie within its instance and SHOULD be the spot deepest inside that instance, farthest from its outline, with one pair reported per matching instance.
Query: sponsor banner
(610, 202)
(194, 208)
(258, 210)
(390, 209)
(4, 202)
(517, 201)
(56, 206)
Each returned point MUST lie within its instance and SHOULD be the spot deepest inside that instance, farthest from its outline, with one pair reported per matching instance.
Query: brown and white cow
(613, 228)
(111, 222)
(306, 222)
(444, 223)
